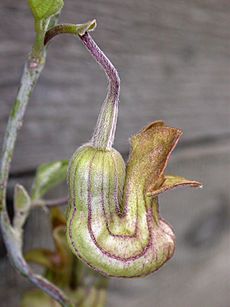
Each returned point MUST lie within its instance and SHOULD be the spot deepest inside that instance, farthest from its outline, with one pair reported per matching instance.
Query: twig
(13, 237)
(31, 73)
(13, 243)
(50, 203)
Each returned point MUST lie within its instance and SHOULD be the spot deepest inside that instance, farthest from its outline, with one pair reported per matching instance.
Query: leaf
(21, 199)
(22, 204)
(48, 176)
(43, 9)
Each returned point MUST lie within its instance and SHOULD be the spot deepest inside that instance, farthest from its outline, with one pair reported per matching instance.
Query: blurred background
(174, 62)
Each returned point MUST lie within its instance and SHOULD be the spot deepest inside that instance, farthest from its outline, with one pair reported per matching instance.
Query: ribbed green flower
(113, 221)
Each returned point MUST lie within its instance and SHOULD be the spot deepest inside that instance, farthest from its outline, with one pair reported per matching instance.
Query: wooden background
(174, 62)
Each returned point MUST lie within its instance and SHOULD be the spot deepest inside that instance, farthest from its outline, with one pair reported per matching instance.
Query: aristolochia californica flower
(113, 219)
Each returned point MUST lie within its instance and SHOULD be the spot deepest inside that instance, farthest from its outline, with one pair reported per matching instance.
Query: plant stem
(104, 132)
(69, 28)
(31, 73)
(13, 243)
(13, 237)
(66, 28)
(32, 70)
(50, 203)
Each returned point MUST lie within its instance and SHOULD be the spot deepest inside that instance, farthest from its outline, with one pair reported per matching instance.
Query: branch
(13, 242)
(13, 235)
(50, 203)
(31, 73)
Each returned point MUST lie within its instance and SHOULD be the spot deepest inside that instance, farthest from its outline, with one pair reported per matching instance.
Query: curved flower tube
(113, 221)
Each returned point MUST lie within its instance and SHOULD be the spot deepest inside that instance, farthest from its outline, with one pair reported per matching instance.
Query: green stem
(13, 237)
(13, 241)
(66, 28)
(50, 203)
(32, 70)
(69, 28)
(31, 73)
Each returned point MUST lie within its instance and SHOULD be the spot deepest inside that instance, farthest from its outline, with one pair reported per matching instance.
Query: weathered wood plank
(173, 61)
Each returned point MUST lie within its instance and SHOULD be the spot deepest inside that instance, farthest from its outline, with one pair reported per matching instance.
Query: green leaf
(43, 9)
(21, 199)
(22, 203)
(48, 176)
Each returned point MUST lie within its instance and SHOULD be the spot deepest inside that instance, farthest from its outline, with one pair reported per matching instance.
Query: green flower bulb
(113, 221)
